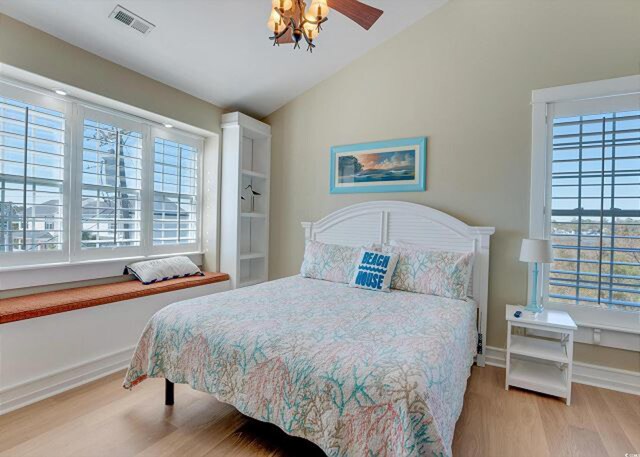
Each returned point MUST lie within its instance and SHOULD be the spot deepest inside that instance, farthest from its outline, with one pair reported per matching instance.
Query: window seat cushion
(43, 304)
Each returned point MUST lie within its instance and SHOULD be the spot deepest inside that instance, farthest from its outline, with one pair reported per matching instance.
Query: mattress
(355, 371)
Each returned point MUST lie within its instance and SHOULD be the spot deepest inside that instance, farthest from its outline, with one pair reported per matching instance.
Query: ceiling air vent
(126, 17)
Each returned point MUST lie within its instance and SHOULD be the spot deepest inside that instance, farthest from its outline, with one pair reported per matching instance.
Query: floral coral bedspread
(355, 371)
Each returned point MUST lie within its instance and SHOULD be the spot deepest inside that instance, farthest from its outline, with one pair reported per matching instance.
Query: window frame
(77, 252)
(71, 254)
(18, 259)
(544, 102)
(198, 144)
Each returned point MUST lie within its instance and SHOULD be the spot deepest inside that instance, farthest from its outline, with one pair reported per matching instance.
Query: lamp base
(534, 308)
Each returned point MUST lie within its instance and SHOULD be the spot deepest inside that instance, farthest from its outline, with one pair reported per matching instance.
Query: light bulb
(319, 9)
(275, 23)
(311, 30)
(275, 17)
(282, 5)
(311, 33)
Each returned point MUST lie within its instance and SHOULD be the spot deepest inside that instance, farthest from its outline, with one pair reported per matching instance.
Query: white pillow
(374, 270)
(150, 271)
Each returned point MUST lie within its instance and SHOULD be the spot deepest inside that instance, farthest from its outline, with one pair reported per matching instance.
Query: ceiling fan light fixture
(319, 9)
(276, 23)
(291, 21)
(311, 30)
(311, 26)
(282, 5)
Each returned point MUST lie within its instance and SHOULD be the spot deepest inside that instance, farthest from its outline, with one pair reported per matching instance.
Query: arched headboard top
(381, 222)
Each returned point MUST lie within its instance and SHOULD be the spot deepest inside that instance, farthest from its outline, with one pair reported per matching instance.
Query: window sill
(604, 327)
(48, 303)
(18, 277)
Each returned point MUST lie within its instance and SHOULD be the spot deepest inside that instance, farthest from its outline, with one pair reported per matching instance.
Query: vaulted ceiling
(217, 50)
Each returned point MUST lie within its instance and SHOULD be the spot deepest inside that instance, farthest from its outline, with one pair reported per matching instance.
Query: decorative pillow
(374, 270)
(330, 262)
(431, 272)
(150, 271)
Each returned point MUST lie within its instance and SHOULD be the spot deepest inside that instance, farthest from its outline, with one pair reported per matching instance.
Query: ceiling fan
(291, 21)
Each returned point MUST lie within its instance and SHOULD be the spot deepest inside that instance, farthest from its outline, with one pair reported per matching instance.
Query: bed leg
(168, 392)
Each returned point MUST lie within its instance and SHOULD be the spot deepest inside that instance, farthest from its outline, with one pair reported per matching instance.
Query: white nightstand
(540, 364)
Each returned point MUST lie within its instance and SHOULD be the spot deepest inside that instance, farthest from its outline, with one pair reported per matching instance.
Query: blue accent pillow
(374, 270)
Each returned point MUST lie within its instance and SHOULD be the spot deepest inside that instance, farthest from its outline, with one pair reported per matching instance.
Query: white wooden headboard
(383, 221)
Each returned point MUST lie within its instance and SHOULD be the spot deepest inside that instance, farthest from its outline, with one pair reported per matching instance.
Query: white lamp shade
(533, 251)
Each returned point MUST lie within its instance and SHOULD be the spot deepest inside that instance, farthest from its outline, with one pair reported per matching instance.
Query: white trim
(71, 253)
(413, 223)
(585, 373)
(77, 153)
(39, 85)
(254, 127)
(56, 273)
(47, 355)
(588, 90)
(543, 106)
(24, 258)
(45, 386)
(198, 145)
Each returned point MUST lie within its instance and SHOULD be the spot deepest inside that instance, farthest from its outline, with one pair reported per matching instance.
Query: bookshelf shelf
(244, 237)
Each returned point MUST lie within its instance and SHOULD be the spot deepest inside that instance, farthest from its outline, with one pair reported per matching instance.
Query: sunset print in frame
(381, 166)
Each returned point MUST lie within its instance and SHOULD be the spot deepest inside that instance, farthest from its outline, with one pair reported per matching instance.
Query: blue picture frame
(379, 166)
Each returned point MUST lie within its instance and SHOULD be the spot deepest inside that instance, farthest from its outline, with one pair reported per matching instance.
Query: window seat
(44, 304)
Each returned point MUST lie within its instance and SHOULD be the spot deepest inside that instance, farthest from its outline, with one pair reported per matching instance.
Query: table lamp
(536, 252)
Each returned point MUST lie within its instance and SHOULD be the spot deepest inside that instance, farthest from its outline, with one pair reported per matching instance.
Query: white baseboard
(584, 373)
(50, 354)
(26, 393)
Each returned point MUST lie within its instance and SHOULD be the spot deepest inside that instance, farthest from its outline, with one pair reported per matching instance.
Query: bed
(356, 372)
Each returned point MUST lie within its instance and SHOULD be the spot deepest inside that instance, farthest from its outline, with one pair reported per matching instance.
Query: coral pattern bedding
(355, 371)
(331, 262)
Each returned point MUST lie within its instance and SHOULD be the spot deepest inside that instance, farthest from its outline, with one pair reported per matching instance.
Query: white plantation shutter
(111, 186)
(175, 193)
(32, 166)
(80, 182)
(595, 202)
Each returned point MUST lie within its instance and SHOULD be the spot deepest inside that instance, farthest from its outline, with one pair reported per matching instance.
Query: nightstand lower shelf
(540, 377)
(538, 348)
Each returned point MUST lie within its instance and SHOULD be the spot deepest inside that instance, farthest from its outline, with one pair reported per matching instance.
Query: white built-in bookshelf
(244, 219)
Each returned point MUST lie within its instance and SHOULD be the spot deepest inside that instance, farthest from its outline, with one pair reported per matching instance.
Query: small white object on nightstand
(539, 364)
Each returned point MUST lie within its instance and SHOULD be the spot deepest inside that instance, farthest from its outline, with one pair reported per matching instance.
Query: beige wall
(462, 76)
(32, 50)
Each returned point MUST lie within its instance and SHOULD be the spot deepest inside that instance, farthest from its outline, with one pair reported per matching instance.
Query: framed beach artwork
(381, 166)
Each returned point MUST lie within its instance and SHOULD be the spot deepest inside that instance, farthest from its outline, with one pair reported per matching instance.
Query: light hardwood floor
(102, 419)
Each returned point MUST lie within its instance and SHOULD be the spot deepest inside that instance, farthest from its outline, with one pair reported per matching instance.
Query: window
(82, 183)
(32, 166)
(585, 194)
(595, 209)
(111, 186)
(175, 193)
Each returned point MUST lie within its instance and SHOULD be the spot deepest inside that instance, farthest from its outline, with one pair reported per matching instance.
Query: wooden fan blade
(361, 14)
